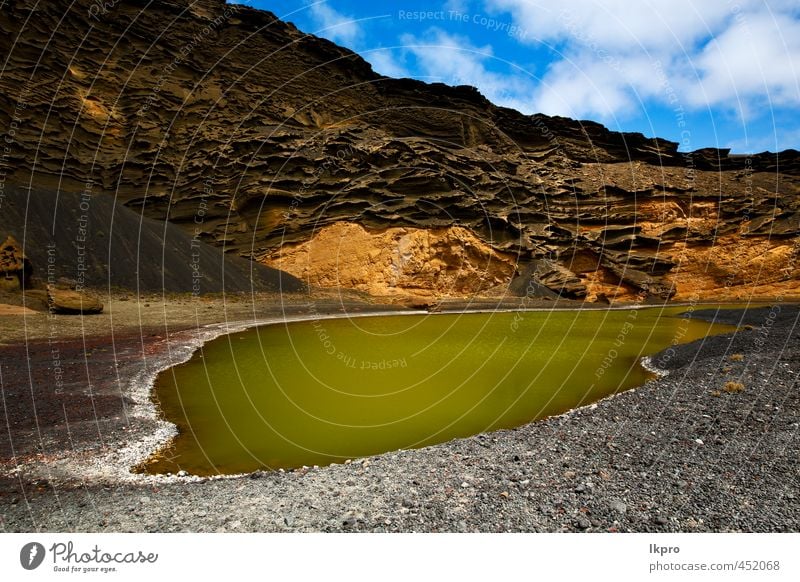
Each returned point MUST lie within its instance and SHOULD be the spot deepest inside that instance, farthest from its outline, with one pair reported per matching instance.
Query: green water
(317, 392)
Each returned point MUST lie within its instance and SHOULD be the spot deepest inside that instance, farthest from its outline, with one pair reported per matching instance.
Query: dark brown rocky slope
(285, 148)
(104, 245)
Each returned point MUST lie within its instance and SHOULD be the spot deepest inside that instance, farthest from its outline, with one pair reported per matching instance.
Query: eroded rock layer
(436, 262)
(254, 136)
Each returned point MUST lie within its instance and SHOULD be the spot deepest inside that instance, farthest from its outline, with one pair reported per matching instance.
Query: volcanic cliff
(284, 148)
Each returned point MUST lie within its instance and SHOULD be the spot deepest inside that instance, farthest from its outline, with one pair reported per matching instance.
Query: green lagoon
(317, 392)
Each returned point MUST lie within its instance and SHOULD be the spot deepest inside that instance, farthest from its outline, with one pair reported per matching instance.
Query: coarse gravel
(679, 454)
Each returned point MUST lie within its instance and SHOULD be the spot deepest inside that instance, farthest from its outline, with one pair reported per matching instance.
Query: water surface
(317, 392)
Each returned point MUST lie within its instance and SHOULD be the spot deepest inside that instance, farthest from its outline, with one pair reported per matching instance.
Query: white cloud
(452, 59)
(334, 25)
(383, 62)
(583, 89)
(618, 23)
(757, 58)
(739, 55)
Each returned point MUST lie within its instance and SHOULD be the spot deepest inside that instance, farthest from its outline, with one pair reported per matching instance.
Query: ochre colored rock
(72, 302)
(15, 310)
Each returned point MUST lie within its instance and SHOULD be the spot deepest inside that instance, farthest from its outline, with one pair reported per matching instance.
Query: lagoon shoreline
(678, 454)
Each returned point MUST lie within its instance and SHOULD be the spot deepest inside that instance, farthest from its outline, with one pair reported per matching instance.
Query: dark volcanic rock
(560, 279)
(529, 284)
(187, 110)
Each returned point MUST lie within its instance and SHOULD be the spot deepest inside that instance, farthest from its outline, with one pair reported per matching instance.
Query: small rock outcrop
(15, 268)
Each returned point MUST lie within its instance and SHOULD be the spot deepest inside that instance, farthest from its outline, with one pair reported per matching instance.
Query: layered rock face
(264, 141)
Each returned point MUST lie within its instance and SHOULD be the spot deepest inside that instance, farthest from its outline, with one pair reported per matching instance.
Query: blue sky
(704, 73)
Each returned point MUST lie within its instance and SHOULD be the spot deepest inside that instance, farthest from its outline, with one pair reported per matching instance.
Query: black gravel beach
(710, 446)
